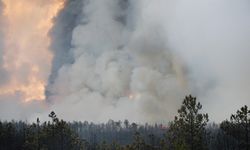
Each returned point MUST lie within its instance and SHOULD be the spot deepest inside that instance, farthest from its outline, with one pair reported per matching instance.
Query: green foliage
(48, 136)
(187, 131)
(238, 127)
(139, 143)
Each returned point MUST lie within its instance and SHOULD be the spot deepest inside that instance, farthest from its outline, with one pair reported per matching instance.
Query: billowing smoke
(121, 68)
(125, 59)
(61, 35)
(136, 59)
(10, 103)
(25, 59)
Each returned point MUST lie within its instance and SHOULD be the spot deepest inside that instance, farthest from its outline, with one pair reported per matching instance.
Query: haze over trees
(189, 130)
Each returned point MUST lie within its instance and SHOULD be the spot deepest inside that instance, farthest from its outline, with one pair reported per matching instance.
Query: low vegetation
(189, 130)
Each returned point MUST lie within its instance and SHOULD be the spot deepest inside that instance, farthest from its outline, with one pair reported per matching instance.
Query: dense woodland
(189, 130)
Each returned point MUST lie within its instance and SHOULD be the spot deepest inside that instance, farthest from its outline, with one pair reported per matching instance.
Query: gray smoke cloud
(137, 59)
(123, 67)
(61, 35)
(212, 38)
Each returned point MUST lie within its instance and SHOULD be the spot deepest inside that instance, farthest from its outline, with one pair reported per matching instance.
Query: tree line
(189, 130)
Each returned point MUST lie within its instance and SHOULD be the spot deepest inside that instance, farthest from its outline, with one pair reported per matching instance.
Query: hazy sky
(123, 59)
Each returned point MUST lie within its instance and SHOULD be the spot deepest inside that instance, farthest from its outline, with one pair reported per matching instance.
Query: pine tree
(239, 127)
(187, 131)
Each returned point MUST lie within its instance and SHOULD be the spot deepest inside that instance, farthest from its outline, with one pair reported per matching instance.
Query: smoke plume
(121, 68)
(136, 60)
(25, 58)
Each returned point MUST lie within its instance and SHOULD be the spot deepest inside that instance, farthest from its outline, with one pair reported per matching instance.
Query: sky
(122, 59)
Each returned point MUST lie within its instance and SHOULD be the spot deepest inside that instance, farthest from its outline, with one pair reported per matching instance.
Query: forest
(189, 130)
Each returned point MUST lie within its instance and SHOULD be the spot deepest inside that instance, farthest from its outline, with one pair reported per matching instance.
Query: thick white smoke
(138, 59)
(125, 59)
(122, 67)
